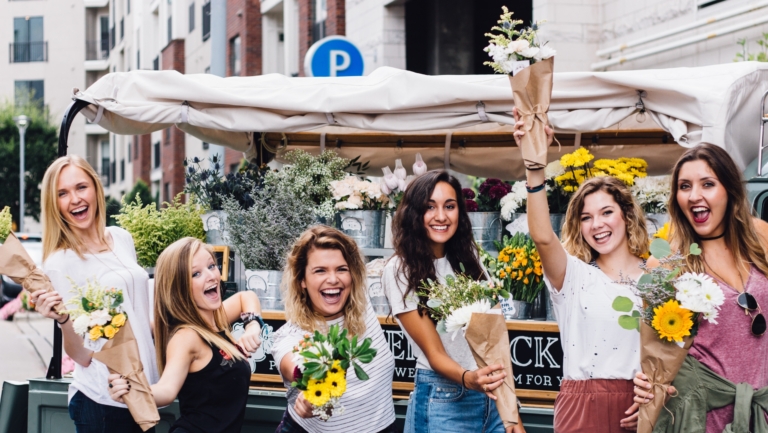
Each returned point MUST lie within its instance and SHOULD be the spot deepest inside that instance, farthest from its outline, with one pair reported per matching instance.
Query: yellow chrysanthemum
(318, 392)
(337, 384)
(95, 333)
(119, 320)
(663, 232)
(672, 321)
(110, 331)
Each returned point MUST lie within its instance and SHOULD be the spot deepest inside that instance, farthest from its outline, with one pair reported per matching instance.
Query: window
(127, 7)
(167, 192)
(122, 170)
(113, 170)
(192, 17)
(170, 29)
(112, 37)
(129, 151)
(29, 92)
(105, 163)
(321, 13)
(234, 56)
(28, 44)
(156, 64)
(122, 28)
(156, 155)
(135, 147)
(104, 35)
(206, 21)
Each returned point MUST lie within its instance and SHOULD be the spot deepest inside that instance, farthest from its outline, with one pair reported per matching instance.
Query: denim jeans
(441, 405)
(92, 417)
(288, 425)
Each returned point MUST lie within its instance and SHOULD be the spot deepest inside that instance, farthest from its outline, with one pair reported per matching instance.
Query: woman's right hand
(118, 387)
(45, 304)
(302, 407)
(642, 389)
(486, 379)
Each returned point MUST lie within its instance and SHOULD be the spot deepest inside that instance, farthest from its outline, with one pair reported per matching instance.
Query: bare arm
(245, 302)
(552, 253)
(302, 407)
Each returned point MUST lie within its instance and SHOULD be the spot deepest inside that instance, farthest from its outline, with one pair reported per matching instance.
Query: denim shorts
(441, 405)
(92, 417)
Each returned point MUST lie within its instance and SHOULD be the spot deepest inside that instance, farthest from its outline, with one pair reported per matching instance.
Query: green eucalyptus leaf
(434, 303)
(694, 249)
(623, 304)
(660, 248)
(441, 327)
(645, 279)
(629, 322)
(635, 313)
(672, 275)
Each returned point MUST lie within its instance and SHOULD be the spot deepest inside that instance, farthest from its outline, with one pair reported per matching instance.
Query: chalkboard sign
(537, 356)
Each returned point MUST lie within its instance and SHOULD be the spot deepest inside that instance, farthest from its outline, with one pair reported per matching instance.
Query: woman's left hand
(251, 338)
(630, 422)
(517, 428)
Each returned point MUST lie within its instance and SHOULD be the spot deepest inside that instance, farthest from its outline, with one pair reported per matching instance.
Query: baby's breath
(6, 223)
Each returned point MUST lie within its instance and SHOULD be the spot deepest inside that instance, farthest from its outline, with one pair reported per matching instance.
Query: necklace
(741, 279)
(713, 237)
(133, 281)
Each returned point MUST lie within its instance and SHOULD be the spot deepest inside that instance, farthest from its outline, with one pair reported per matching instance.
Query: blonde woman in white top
(604, 237)
(78, 245)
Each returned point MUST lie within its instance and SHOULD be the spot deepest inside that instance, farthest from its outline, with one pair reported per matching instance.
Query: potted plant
(484, 211)
(513, 205)
(517, 269)
(362, 210)
(652, 194)
(263, 234)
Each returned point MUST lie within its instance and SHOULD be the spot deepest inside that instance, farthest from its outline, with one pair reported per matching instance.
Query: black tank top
(213, 399)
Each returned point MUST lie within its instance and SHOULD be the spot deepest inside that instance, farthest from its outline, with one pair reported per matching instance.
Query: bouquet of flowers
(530, 65)
(517, 269)
(463, 304)
(98, 315)
(673, 305)
(353, 193)
(322, 362)
(394, 184)
(652, 193)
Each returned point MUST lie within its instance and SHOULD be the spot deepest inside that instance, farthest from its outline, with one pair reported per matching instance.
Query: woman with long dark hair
(708, 206)
(432, 236)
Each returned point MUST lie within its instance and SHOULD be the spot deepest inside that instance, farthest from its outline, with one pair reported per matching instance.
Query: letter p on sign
(337, 66)
(334, 56)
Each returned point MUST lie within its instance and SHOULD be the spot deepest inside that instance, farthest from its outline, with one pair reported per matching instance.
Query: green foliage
(142, 190)
(745, 56)
(457, 292)
(660, 248)
(113, 208)
(6, 223)
(41, 140)
(153, 230)
(624, 304)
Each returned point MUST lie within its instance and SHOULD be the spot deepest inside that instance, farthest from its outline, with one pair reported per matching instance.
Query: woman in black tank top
(197, 356)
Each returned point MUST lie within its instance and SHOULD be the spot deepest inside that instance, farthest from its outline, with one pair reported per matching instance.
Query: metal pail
(366, 227)
(266, 284)
(379, 301)
(486, 228)
(214, 223)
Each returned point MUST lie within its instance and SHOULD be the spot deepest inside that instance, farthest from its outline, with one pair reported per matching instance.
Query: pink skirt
(592, 406)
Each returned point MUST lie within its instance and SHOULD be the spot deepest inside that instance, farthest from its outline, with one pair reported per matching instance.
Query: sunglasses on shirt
(749, 304)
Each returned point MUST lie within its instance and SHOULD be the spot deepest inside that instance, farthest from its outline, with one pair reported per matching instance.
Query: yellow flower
(672, 321)
(110, 331)
(525, 281)
(663, 232)
(337, 384)
(95, 333)
(119, 320)
(508, 269)
(318, 393)
(502, 274)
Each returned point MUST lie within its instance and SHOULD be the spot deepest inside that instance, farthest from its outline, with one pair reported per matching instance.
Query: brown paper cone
(16, 264)
(121, 356)
(532, 90)
(660, 360)
(489, 342)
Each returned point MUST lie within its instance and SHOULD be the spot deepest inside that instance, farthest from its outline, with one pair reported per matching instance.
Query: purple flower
(297, 374)
(471, 205)
(497, 192)
(468, 193)
(485, 187)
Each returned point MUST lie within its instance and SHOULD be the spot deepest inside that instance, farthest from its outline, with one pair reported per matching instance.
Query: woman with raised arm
(604, 238)
(433, 239)
(200, 362)
(708, 206)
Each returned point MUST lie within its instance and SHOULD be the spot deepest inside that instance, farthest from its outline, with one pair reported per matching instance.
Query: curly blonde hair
(634, 218)
(298, 306)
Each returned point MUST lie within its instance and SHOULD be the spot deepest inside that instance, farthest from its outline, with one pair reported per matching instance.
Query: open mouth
(80, 213)
(602, 238)
(439, 229)
(700, 214)
(331, 296)
(212, 292)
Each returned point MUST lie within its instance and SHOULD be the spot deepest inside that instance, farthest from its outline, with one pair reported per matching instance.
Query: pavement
(26, 346)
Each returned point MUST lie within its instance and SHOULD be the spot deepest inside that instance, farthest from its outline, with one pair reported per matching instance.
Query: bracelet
(251, 317)
(462, 378)
(61, 323)
(534, 189)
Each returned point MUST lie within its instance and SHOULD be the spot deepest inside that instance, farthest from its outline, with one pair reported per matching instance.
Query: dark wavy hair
(411, 241)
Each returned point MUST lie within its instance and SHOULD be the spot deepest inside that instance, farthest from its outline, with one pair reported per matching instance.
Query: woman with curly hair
(432, 236)
(604, 238)
(324, 284)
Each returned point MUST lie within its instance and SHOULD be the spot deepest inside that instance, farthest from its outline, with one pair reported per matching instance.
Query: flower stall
(462, 123)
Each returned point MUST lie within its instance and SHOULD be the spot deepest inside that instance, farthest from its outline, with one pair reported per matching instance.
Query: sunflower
(318, 392)
(337, 384)
(671, 321)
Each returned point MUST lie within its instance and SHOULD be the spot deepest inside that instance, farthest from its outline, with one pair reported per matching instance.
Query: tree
(41, 143)
(113, 208)
(142, 190)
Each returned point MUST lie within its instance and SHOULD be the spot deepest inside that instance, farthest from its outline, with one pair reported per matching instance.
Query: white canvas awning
(717, 104)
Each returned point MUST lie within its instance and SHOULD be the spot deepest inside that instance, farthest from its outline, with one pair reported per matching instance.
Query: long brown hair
(175, 306)
(634, 218)
(740, 235)
(298, 306)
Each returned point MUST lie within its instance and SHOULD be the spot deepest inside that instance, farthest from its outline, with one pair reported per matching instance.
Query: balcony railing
(97, 50)
(112, 37)
(24, 52)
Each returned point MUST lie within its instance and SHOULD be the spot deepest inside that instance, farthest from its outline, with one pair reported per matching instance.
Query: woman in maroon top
(708, 206)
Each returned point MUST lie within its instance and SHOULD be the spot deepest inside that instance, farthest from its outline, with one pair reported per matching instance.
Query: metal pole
(218, 59)
(22, 132)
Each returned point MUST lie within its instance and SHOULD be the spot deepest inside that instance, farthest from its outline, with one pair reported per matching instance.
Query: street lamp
(21, 122)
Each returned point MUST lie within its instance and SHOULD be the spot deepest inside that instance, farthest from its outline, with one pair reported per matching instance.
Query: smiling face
(702, 198)
(206, 280)
(441, 220)
(602, 223)
(76, 198)
(327, 281)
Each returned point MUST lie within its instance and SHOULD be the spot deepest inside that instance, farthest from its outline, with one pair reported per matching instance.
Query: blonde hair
(634, 218)
(57, 234)
(298, 306)
(740, 233)
(175, 306)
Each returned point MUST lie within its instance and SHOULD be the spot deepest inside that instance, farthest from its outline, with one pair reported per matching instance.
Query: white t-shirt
(395, 285)
(594, 345)
(368, 402)
(118, 270)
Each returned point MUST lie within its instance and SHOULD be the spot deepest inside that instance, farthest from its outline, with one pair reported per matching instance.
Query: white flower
(459, 318)
(315, 348)
(554, 169)
(699, 293)
(384, 187)
(389, 178)
(419, 167)
(652, 191)
(100, 318)
(518, 46)
(81, 324)
(400, 172)
(530, 52)
(355, 201)
(513, 201)
(544, 53)
(340, 189)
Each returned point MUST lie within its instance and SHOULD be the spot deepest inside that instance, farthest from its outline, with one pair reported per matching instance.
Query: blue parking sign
(334, 56)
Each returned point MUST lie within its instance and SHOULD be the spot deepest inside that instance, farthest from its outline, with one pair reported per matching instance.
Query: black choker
(714, 237)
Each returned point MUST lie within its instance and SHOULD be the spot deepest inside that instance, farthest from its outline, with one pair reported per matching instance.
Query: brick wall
(244, 19)
(172, 149)
(335, 23)
(142, 157)
(306, 19)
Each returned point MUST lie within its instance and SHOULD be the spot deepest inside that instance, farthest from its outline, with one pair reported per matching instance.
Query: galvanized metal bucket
(539, 306)
(515, 310)
(266, 285)
(655, 221)
(214, 223)
(376, 295)
(366, 227)
(486, 228)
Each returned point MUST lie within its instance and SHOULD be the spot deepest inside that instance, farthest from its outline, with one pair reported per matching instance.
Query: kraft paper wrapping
(121, 356)
(19, 267)
(532, 90)
(660, 361)
(489, 342)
